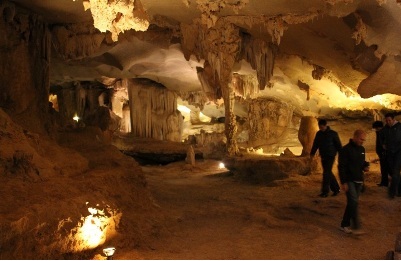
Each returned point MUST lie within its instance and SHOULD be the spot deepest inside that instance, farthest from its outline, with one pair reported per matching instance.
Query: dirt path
(214, 216)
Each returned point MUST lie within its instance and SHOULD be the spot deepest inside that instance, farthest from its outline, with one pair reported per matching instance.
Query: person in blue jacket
(328, 143)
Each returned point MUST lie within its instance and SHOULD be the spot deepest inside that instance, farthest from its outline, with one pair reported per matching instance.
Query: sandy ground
(212, 215)
(177, 211)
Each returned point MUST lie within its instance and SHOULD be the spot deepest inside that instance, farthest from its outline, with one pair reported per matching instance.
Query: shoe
(358, 232)
(335, 193)
(323, 195)
(346, 230)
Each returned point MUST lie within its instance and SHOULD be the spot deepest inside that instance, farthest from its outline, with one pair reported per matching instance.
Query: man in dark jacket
(378, 127)
(328, 143)
(392, 146)
(351, 168)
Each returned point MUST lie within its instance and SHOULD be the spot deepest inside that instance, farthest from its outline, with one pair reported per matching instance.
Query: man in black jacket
(378, 127)
(351, 168)
(392, 146)
(328, 143)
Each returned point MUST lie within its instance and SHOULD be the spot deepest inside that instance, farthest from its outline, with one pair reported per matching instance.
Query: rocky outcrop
(268, 121)
(25, 54)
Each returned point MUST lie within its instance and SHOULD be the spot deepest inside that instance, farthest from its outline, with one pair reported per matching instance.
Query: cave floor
(212, 215)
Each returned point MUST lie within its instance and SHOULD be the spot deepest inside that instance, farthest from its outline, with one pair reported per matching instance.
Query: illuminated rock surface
(232, 79)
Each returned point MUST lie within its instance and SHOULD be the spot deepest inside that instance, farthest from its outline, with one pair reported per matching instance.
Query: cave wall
(24, 70)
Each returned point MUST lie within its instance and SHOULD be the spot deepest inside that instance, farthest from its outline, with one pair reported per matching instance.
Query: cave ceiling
(327, 53)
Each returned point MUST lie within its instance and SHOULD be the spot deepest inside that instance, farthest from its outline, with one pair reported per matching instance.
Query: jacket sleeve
(343, 161)
(337, 142)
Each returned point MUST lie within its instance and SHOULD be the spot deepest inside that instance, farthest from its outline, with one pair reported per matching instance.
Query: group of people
(388, 148)
(352, 164)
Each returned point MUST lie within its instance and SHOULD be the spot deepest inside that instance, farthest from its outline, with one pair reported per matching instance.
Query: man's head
(390, 119)
(359, 137)
(322, 124)
(377, 125)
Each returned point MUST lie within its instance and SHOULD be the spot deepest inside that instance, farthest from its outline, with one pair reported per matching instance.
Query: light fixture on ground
(76, 118)
(221, 165)
(109, 252)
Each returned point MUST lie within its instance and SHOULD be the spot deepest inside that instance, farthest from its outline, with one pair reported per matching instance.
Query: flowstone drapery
(154, 111)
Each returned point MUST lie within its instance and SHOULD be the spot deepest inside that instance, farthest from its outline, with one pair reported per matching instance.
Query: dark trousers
(329, 180)
(384, 171)
(351, 211)
(394, 165)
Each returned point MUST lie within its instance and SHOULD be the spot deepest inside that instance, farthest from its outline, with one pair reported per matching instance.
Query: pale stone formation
(154, 111)
(306, 133)
(190, 159)
(117, 16)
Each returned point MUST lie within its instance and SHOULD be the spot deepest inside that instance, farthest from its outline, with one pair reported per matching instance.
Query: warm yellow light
(75, 118)
(109, 251)
(204, 118)
(221, 165)
(259, 151)
(91, 231)
(183, 108)
(94, 228)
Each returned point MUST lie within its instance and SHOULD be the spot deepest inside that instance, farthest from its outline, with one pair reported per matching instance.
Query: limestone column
(230, 121)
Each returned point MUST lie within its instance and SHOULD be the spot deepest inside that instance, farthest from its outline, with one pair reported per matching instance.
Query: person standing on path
(351, 168)
(378, 127)
(392, 146)
(328, 143)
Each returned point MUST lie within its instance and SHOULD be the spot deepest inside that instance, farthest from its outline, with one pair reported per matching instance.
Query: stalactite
(210, 85)
(220, 46)
(360, 30)
(197, 99)
(261, 57)
(244, 85)
(126, 119)
(154, 111)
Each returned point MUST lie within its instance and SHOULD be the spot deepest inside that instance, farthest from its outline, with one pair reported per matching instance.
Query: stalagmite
(230, 122)
(190, 159)
(307, 131)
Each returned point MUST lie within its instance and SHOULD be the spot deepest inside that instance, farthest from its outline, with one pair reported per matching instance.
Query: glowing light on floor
(109, 252)
(221, 165)
(92, 231)
(75, 118)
